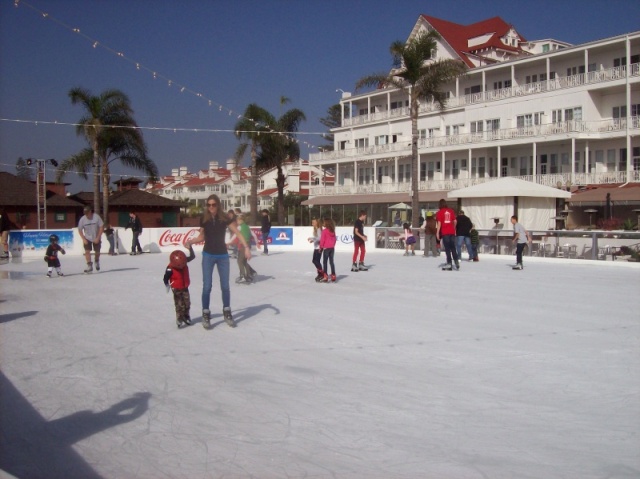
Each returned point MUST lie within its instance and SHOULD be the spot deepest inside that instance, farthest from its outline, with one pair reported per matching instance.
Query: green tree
(279, 146)
(22, 170)
(248, 130)
(421, 77)
(332, 120)
(112, 134)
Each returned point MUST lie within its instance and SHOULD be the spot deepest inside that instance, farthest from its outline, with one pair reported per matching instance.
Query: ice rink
(403, 371)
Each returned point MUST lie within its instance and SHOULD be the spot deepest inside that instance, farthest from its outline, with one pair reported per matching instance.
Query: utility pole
(41, 189)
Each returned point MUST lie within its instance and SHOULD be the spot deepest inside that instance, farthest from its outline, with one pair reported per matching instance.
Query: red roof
(457, 36)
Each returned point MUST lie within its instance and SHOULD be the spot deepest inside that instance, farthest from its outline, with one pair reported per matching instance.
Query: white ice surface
(404, 371)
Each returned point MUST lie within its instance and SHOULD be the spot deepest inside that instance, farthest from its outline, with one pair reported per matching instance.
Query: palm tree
(249, 129)
(280, 146)
(415, 72)
(112, 134)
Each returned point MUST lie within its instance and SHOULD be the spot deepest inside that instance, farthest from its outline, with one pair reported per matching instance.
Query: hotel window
(423, 171)
(60, 217)
(433, 132)
(611, 160)
(476, 126)
(493, 125)
(543, 164)
(381, 140)
(364, 111)
(523, 165)
(635, 161)
(504, 168)
(481, 167)
(622, 165)
(545, 48)
(554, 163)
(343, 145)
(362, 142)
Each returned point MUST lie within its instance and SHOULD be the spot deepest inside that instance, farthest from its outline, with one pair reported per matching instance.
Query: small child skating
(176, 278)
(247, 273)
(51, 255)
(409, 240)
(317, 252)
(475, 242)
(328, 248)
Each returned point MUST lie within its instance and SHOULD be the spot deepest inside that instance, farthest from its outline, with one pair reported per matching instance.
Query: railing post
(594, 245)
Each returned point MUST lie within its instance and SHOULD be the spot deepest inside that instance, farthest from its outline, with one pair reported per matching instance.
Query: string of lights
(158, 128)
(260, 128)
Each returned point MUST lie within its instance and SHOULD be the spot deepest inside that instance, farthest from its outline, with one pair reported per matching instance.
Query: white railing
(552, 180)
(558, 83)
(529, 132)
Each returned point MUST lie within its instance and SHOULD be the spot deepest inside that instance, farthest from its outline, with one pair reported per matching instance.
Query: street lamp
(41, 188)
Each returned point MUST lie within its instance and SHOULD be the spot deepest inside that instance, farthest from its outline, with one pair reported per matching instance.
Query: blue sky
(231, 52)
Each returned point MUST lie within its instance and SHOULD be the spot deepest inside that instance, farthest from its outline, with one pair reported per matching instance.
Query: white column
(355, 175)
(573, 161)
(395, 166)
(535, 162)
(499, 163)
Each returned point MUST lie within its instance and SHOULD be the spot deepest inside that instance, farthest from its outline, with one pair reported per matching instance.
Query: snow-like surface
(403, 371)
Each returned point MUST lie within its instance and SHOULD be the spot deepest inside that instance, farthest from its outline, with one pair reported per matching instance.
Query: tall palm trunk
(280, 179)
(96, 175)
(106, 178)
(415, 200)
(253, 204)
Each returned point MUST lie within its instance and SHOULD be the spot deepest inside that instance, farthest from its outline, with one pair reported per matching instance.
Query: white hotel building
(545, 111)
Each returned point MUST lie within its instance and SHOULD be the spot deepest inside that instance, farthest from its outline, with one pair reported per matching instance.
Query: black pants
(135, 244)
(449, 242)
(519, 250)
(316, 259)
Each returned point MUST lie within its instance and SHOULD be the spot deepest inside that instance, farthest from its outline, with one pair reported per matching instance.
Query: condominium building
(545, 111)
(232, 183)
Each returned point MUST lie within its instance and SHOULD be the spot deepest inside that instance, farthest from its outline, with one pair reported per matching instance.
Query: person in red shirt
(176, 279)
(446, 232)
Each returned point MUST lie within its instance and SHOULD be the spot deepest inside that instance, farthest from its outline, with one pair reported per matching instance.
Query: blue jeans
(449, 243)
(265, 242)
(209, 261)
(327, 257)
(467, 241)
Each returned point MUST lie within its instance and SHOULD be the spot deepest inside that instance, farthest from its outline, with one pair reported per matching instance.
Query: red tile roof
(457, 36)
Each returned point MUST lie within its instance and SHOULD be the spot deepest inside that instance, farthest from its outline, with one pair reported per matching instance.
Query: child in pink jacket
(328, 248)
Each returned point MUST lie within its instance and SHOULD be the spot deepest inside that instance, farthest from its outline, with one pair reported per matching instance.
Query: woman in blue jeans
(213, 230)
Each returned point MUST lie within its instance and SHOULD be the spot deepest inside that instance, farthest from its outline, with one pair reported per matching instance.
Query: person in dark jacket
(463, 234)
(136, 227)
(5, 226)
(265, 228)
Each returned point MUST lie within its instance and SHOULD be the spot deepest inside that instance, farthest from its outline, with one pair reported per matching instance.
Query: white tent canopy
(486, 202)
(508, 187)
(400, 206)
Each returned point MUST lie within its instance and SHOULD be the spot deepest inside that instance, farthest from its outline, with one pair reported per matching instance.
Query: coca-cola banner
(165, 240)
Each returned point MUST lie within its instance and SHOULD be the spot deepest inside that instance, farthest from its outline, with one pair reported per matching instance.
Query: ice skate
(447, 267)
(324, 279)
(49, 274)
(333, 278)
(354, 268)
(89, 267)
(362, 267)
(97, 265)
(517, 266)
(457, 263)
(226, 312)
(206, 319)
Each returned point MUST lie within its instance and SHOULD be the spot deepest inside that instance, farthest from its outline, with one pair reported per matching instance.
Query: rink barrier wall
(589, 244)
(33, 243)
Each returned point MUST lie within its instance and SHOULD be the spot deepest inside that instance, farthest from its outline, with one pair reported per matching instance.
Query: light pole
(41, 188)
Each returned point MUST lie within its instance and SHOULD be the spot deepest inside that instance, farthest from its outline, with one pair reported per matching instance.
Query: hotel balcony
(602, 129)
(604, 76)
